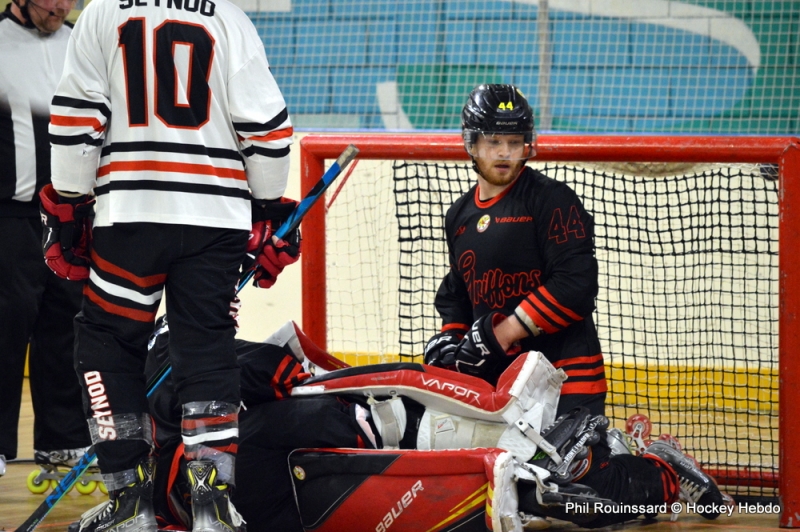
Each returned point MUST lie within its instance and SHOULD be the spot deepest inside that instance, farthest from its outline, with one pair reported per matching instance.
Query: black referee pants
(38, 307)
(132, 264)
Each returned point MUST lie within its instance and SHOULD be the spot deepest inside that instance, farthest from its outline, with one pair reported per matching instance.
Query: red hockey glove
(479, 354)
(441, 348)
(233, 311)
(67, 233)
(273, 257)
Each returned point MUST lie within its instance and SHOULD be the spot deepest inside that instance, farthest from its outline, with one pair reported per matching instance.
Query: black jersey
(530, 250)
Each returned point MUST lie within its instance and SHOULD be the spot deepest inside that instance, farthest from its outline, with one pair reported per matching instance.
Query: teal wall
(608, 74)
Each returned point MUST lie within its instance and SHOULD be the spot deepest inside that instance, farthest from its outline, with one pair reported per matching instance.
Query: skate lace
(689, 491)
(236, 518)
(64, 457)
(98, 513)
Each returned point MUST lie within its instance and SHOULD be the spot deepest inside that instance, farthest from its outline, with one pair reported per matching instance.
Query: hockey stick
(289, 225)
(83, 464)
(310, 199)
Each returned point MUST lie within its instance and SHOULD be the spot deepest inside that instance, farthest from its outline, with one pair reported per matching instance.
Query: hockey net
(690, 294)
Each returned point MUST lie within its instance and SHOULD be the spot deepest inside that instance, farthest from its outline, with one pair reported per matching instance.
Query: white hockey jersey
(168, 112)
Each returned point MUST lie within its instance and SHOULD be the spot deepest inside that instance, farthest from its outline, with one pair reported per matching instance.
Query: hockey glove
(479, 354)
(67, 233)
(441, 348)
(233, 311)
(274, 257)
(271, 256)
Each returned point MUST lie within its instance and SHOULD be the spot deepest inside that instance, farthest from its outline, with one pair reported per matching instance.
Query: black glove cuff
(74, 200)
(272, 210)
(484, 326)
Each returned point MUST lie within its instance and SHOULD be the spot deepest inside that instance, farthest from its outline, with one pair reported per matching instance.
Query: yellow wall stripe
(660, 386)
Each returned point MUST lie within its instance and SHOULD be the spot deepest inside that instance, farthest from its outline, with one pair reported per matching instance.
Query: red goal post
(783, 152)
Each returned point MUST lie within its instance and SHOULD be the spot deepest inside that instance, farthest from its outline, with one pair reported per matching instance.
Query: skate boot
(65, 458)
(212, 510)
(54, 466)
(2, 465)
(617, 442)
(129, 508)
(571, 435)
(554, 504)
(696, 485)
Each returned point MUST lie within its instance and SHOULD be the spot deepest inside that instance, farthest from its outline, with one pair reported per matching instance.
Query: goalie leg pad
(389, 417)
(526, 398)
(502, 510)
(439, 430)
(396, 491)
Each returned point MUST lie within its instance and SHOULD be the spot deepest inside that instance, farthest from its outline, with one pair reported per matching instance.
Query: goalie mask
(496, 112)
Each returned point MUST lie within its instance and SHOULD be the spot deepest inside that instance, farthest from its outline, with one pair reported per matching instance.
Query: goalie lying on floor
(414, 447)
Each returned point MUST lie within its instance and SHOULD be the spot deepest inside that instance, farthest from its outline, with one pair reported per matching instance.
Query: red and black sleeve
(566, 234)
(452, 299)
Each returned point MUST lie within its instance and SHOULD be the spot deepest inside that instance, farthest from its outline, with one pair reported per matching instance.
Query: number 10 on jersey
(182, 56)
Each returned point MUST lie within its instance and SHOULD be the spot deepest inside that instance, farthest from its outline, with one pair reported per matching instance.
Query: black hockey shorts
(625, 479)
(269, 431)
(132, 264)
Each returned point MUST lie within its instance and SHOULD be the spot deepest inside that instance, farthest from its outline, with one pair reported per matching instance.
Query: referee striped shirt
(30, 67)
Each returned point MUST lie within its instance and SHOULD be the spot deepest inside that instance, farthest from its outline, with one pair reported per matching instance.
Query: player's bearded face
(500, 157)
(41, 17)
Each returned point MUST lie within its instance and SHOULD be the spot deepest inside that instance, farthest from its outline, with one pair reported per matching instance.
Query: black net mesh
(688, 305)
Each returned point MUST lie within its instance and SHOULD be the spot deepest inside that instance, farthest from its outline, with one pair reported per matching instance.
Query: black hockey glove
(66, 233)
(273, 257)
(441, 348)
(479, 354)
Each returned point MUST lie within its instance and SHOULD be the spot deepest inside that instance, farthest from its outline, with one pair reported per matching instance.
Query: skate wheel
(103, 488)
(672, 441)
(86, 487)
(639, 423)
(53, 484)
(35, 485)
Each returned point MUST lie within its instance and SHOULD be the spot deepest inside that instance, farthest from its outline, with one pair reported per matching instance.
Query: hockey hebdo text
(674, 508)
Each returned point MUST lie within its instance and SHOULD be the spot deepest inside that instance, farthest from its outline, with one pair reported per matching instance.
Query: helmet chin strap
(475, 167)
(27, 14)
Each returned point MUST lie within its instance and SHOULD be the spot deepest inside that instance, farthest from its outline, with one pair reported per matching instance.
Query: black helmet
(496, 108)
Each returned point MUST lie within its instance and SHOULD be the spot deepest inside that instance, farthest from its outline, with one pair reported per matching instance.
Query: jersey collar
(488, 203)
